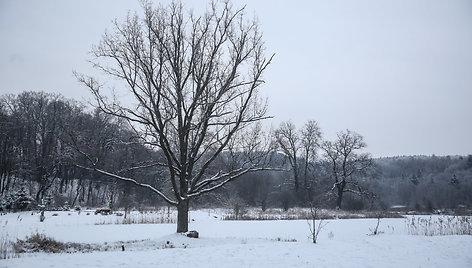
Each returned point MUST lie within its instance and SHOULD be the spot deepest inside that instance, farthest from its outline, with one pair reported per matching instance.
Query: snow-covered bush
(23, 201)
(6, 202)
(18, 201)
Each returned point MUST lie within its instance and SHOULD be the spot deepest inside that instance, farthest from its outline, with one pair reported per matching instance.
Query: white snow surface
(342, 243)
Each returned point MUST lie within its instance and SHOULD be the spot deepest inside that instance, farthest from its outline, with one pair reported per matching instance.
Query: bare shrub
(375, 231)
(239, 208)
(315, 229)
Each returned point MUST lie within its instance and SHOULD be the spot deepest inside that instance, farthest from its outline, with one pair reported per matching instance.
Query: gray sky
(397, 72)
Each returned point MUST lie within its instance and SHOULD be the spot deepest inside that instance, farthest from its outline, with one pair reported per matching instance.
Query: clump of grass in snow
(41, 243)
(278, 239)
(442, 225)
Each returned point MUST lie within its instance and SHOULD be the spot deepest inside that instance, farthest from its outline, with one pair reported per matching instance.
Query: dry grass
(305, 214)
(278, 239)
(6, 247)
(41, 243)
(442, 225)
(152, 217)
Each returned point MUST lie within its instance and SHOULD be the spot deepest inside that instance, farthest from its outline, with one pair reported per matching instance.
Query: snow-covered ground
(342, 243)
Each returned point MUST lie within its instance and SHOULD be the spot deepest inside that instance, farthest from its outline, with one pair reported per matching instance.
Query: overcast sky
(397, 72)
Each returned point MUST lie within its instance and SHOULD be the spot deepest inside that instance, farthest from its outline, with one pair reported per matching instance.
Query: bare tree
(299, 147)
(194, 81)
(346, 162)
(310, 142)
(314, 229)
(288, 140)
(34, 131)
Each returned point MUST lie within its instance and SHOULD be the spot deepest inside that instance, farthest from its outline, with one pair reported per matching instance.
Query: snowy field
(281, 243)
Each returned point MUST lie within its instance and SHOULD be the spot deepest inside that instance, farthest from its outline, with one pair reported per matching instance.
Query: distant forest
(45, 141)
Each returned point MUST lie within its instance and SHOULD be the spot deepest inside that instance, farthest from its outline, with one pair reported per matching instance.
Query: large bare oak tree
(194, 81)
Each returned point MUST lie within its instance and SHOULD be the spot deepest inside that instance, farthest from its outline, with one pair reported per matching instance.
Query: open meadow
(98, 240)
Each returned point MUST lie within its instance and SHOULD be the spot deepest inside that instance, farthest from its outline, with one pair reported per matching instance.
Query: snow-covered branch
(144, 185)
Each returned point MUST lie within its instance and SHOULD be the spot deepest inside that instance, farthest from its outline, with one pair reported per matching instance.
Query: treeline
(48, 144)
(39, 162)
(421, 183)
(425, 183)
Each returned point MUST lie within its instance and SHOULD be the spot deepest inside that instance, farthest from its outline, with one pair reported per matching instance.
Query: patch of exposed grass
(41, 243)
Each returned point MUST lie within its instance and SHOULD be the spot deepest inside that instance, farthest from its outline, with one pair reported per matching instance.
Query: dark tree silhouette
(194, 81)
(346, 162)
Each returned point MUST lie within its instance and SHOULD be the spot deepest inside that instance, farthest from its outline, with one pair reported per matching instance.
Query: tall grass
(152, 217)
(6, 246)
(442, 225)
(305, 214)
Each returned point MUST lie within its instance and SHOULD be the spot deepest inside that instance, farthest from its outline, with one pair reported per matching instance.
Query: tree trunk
(182, 216)
(295, 176)
(3, 180)
(38, 194)
(340, 198)
(89, 193)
